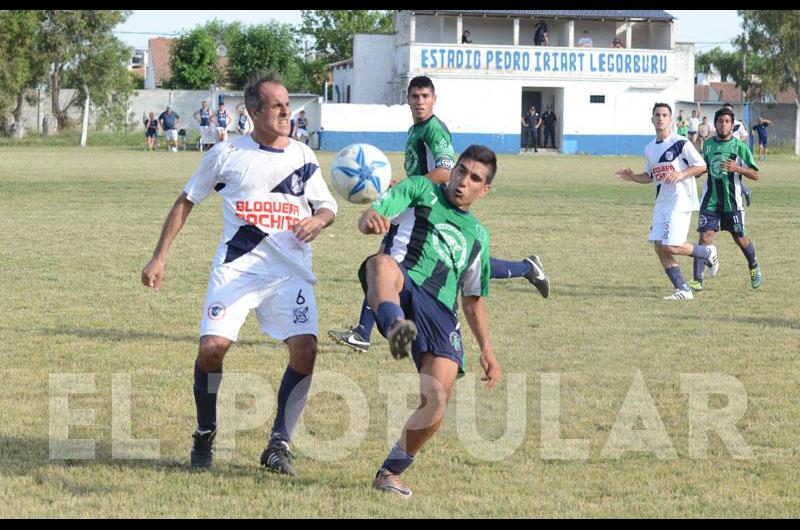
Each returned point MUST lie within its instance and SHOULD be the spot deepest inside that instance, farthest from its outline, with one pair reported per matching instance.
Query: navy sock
(701, 251)
(508, 269)
(206, 387)
(397, 460)
(750, 253)
(676, 276)
(366, 321)
(698, 267)
(292, 398)
(387, 313)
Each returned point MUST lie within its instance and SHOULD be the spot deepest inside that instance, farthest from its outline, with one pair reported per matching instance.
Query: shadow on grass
(770, 322)
(584, 291)
(31, 457)
(122, 335)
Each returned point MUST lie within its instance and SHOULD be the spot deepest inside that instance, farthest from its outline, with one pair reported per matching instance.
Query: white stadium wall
(479, 93)
(370, 53)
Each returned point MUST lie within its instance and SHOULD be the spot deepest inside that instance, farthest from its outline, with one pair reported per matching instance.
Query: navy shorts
(150, 133)
(762, 141)
(438, 330)
(732, 222)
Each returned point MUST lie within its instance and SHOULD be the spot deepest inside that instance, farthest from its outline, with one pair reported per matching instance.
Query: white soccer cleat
(680, 295)
(713, 261)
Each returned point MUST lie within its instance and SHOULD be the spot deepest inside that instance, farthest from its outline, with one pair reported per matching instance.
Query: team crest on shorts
(216, 311)
(455, 341)
(301, 315)
(702, 221)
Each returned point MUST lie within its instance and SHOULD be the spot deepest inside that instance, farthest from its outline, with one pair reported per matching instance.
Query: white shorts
(205, 134)
(301, 133)
(171, 135)
(670, 228)
(285, 305)
(222, 132)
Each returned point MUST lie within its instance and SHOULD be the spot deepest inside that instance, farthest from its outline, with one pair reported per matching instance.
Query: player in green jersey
(430, 152)
(728, 159)
(434, 248)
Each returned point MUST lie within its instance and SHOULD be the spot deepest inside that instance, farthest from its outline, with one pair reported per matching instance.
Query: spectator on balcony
(617, 43)
(586, 40)
(540, 36)
(465, 37)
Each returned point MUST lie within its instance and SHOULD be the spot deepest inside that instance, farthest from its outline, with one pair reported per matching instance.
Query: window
(347, 100)
(597, 99)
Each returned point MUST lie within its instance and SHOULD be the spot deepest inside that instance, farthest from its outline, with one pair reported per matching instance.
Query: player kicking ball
(413, 285)
(672, 163)
(728, 158)
(430, 152)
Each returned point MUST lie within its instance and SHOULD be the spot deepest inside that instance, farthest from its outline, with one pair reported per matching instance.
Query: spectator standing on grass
(704, 131)
(203, 117)
(170, 122)
(151, 131)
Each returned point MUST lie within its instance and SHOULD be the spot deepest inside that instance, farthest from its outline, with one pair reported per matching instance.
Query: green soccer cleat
(755, 277)
(696, 285)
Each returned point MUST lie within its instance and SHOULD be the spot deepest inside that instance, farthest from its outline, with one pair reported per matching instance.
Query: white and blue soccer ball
(361, 173)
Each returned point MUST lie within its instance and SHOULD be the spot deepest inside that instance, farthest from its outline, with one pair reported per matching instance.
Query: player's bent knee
(212, 351)
(302, 353)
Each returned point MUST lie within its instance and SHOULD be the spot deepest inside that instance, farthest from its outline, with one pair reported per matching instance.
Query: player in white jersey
(672, 164)
(275, 202)
(740, 132)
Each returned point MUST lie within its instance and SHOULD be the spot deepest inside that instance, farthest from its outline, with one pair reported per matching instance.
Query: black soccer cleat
(400, 337)
(537, 276)
(202, 454)
(278, 458)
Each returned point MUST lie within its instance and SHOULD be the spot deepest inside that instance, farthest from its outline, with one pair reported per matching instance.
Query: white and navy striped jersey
(740, 131)
(265, 192)
(674, 153)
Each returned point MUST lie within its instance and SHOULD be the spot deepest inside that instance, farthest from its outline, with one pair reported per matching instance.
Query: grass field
(80, 225)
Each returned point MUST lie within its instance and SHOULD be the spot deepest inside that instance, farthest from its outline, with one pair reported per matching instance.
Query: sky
(706, 28)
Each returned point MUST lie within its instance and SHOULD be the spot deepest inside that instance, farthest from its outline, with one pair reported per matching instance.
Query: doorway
(530, 97)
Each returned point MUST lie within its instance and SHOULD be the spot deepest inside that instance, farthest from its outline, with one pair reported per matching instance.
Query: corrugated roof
(613, 14)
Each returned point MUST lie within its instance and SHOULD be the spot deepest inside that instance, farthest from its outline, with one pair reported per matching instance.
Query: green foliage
(22, 66)
(263, 47)
(193, 60)
(83, 53)
(773, 36)
(333, 30)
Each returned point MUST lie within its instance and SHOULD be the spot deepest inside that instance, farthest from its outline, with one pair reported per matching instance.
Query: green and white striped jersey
(723, 191)
(443, 248)
(429, 146)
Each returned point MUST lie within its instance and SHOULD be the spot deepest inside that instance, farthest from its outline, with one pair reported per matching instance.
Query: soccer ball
(361, 173)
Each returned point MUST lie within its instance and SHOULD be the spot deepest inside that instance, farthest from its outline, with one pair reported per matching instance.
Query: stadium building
(602, 96)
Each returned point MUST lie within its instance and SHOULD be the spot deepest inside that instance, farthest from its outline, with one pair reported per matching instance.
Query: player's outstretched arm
(371, 222)
(153, 272)
(627, 174)
(478, 321)
(689, 172)
(309, 228)
(439, 175)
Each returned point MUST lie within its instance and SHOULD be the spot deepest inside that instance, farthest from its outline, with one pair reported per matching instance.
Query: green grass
(81, 224)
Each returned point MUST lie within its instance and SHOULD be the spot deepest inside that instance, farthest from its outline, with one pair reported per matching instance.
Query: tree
(80, 46)
(194, 61)
(333, 30)
(262, 47)
(773, 37)
(22, 67)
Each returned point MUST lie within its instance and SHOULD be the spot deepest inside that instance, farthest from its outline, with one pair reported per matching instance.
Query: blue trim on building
(590, 144)
(396, 141)
(609, 144)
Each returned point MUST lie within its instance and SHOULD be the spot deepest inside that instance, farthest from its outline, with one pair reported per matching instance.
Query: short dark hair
(727, 104)
(421, 81)
(724, 111)
(665, 105)
(252, 92)
(482, 154)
